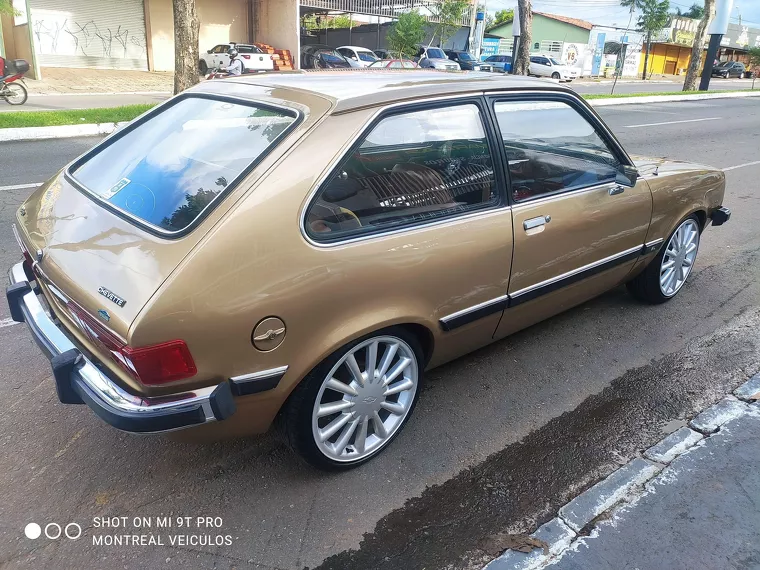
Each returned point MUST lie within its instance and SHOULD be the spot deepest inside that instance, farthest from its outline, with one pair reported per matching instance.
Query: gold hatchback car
(304, 246)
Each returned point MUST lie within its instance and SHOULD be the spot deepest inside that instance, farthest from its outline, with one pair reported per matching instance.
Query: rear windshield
(168, 169)
(435, 53)
(366, 56)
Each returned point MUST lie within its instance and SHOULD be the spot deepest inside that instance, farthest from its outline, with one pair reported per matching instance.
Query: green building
(550, 32)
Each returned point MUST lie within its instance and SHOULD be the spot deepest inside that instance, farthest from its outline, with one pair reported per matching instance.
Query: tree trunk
(522, 65)
(698, 47)
(186, 26)
(646, 55)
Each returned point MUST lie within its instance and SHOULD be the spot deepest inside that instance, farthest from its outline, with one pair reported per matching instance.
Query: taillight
(150, 365)
(160, 363)
(246, 56)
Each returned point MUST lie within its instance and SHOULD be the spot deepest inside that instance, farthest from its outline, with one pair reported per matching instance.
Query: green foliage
(654, 14)
(6, 7)
(696, 12)
(448, 15)
(406, 33)
(71, 117)
(502, 17)
(314, 22)
(754, 56)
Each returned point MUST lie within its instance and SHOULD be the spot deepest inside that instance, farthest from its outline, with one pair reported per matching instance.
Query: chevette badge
(104, 314)
(111, 296)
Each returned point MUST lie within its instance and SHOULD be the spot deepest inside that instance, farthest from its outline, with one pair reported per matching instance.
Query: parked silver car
(435, 58)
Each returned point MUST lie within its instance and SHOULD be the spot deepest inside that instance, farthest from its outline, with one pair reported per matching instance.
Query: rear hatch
(117, 223)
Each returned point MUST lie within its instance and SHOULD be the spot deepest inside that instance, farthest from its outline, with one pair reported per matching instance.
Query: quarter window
(410, 168)
(552, 148)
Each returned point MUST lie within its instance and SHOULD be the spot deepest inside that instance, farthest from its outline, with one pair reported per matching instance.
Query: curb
(58, 132)
(624, 485)
(103, 94)
(669, 98)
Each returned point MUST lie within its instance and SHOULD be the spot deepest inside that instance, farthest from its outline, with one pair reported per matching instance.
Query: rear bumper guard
(79, 380)
(720, 216)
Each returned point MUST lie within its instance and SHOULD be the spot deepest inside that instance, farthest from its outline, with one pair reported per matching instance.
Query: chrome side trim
(465, 316)
(279, 371)
(652, 246)
(574, 272)
(256, 382)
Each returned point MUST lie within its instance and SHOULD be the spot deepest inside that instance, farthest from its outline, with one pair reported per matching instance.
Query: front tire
(741, 76)
(15, 94)
(203, 67)
(354, 403)
(666, 274)
(555, 75)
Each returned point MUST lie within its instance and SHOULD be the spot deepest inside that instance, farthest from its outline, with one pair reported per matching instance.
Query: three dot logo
(53, 531)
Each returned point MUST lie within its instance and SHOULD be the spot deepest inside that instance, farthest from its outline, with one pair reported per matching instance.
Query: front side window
(435, 53)
(367, 56)
(221, 49)
(410, 168)
(552, 148)
(169, 168)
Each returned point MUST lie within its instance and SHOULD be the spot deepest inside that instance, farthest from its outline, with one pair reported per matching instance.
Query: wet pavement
(500, 438)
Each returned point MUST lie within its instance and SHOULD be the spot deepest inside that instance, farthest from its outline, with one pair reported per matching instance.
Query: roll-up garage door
(90, 33)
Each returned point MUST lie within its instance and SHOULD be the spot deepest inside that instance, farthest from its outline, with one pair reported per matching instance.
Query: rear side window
(411, 168)
(170, 168)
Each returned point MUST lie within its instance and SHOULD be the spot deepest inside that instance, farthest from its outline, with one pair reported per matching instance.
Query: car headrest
(340, 189)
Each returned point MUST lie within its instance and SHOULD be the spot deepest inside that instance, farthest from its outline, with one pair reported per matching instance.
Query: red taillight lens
(160, 363)
(246, 56)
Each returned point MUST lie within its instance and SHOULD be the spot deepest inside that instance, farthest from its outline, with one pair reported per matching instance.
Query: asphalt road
(499, 440)
(81, 101)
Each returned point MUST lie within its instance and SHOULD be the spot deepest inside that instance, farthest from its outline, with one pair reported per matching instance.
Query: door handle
(536, 222)
(617, 189)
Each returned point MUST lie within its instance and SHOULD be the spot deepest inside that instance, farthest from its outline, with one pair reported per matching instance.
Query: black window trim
(500, 178)
(68, 175)
(574, 102)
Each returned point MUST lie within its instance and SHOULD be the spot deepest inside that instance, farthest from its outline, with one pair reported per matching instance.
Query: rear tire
(15, 94)
(741, 76)
(355, 436)
(653, 285)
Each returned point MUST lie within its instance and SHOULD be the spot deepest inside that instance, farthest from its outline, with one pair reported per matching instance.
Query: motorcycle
(14, 93)
(216, 73)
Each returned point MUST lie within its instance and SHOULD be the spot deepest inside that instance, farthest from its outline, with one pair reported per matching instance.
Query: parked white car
(546, 66)
(363, 56)
(253, 58)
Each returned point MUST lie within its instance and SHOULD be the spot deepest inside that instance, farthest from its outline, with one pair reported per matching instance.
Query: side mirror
(208, 51)
(627, 175)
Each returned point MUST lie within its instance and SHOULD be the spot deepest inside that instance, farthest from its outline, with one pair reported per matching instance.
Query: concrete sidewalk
(691, 502)
(61, 81)
(702, 512)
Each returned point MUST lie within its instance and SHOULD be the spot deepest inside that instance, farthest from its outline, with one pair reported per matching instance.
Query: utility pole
(515, 37)
(718, 27)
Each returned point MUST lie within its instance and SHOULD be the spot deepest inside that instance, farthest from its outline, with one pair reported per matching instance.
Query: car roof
(349, 91)
(355, 48)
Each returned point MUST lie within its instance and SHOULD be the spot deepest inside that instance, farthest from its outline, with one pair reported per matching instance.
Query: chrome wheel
(365, 398)
(679, 257)
(14, 93)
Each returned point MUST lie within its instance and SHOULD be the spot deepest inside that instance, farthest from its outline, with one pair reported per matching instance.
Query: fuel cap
(268, 334)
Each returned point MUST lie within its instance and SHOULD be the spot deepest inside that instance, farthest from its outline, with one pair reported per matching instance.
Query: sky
(610, 13)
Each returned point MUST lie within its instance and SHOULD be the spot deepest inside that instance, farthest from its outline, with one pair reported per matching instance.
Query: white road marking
(7, 323)
(741, 165)
(21, 186)
(672, 122)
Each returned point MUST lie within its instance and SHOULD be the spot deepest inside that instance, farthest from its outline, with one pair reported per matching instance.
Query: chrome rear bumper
(80, 380)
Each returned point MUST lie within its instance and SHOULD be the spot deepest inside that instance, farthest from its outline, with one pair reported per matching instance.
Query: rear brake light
(150, 365)
(246, 56)
(160, 363)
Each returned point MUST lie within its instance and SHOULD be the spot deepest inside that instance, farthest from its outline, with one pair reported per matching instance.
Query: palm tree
(653, 18)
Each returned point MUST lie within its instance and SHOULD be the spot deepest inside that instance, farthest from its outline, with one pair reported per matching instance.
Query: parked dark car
(466, 61)
(500, 63)
(318, 56)
(728, 69)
